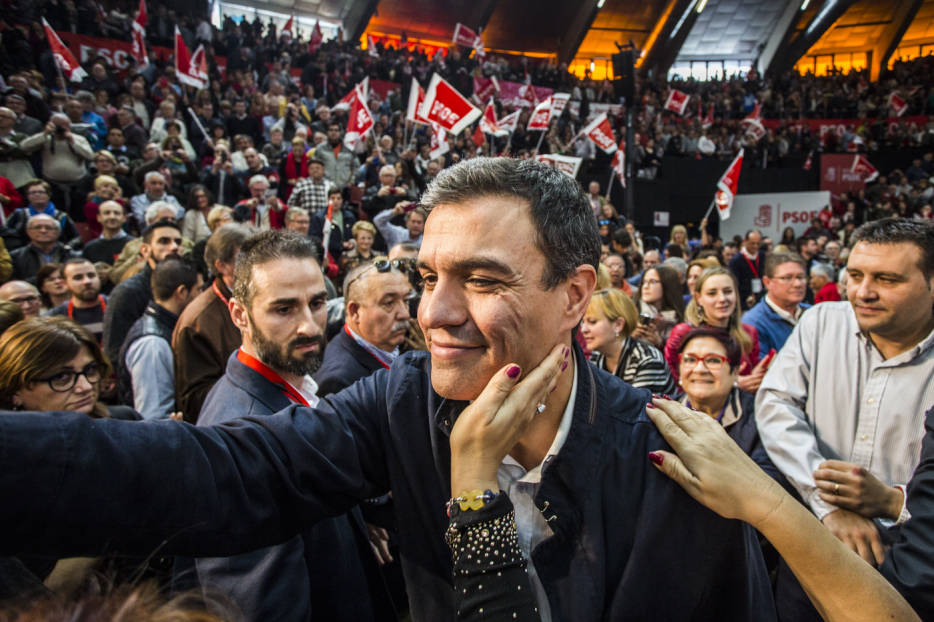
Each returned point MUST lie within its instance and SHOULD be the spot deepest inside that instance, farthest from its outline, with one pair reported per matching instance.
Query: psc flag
(359, 122)
(416, 99)
(138, 36)
(897, 104)
(677, 101)
(864, 168)
(541, 116)
(446, 107)
(726, 187)
(185, 69)
(65, 60)
(601, 133)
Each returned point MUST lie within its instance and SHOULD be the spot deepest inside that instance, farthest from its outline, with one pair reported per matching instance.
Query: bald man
(23, 294)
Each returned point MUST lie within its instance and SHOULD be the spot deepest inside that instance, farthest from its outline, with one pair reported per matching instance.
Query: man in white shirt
(840, 410)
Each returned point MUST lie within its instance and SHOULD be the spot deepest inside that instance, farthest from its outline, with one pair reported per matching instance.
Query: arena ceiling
(774, 33)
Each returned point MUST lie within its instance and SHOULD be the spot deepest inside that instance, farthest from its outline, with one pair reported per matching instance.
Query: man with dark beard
(87, 305)
(278, 304)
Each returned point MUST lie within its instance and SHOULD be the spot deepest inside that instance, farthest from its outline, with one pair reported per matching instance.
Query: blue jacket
(319, 574)
(345, 362)
(773, 329)
(628, 544)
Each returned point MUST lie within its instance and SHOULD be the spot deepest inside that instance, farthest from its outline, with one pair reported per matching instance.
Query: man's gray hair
(677, 263)
(255, 179)
(152, 212)
(823, 269)
(567, 233)
(153, 175)
(37, 217)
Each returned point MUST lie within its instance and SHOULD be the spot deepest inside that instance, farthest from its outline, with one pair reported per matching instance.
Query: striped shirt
(830, 395)
(641, 365)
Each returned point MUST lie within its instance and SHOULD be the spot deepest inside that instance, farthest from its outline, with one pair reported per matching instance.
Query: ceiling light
(600, 3)
(701, 5)
(804, 4)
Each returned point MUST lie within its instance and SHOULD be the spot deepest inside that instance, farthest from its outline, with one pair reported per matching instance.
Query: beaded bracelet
(471, 500)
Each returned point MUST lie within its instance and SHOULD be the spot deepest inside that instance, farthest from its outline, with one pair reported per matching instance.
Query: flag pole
(709, 209)
(506, 151)
(198, 123)
(61, 77)
(540, 139)
(609, 185)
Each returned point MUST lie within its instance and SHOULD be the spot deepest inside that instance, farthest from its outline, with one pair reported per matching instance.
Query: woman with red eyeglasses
(708, 365)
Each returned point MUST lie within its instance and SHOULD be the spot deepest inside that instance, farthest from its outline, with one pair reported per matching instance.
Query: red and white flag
(445, 106)
(897, 104)
(864, 168)
(138, 36)
(558, 103)
(488, 121)
(677, 101)
(527, 95)
(601, 133)
(184, 70)
(478, 138)
(619, 164)
(287, 29)
(752, 124)
(541, 116)
(439, 141)
(359, 121)
(484, 89)
(371, 47)
(726, 187)
(465, 36)
(363, 87)
(509, 122)
(416, 99)
(569, 165)
(708, 120)
(65, 60)
(317, 37)
(809, 162)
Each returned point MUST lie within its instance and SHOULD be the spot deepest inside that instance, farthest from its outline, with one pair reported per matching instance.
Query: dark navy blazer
(345, 362)
(628, 544)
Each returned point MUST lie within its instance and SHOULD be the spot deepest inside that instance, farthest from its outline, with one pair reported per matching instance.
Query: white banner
(771, 213)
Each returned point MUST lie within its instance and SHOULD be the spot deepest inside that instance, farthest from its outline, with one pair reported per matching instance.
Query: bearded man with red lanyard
(278, 304)
(87, 305)
(748, 265)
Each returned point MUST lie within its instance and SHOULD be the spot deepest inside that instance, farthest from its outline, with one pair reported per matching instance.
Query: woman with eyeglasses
(715, 304)
(661, 305)
(50, 281)
(54, 364)
(195, 223)
(607, 327)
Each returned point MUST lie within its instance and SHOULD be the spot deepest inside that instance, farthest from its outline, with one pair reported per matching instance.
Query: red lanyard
(217, 290)
(263, 370)
(379, 360)
(752, 266)
(71, 307)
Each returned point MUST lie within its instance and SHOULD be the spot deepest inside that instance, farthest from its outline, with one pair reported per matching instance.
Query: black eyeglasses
(66, 380)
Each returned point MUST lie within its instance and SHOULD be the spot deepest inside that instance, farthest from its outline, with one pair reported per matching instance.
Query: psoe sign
(771, 213)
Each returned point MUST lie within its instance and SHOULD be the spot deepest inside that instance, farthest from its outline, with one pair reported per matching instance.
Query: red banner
(837, 174)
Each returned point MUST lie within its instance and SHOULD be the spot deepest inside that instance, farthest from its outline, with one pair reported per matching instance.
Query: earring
(617, 332)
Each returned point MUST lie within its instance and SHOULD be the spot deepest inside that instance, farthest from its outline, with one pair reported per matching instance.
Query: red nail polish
(656, 457)
(650, 405)
(564, 365)
(513, 371)
(567, 351)
(658, 396)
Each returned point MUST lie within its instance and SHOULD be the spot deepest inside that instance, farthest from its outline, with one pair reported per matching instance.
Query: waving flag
(726, 187)
(753, 124)
(509, 122)
(359, 122)
(184, 70)
(619, 165)
(488, 121)
(416, 99)
(445, 106)
(601, 133)
(439, 141)
(138, 36)
(541, 116)
(558, 103)
(371, 47)
(287, 29)
(677, 101)
(569, 165)
(63, 57)
(897, 104)
(317, 37)
(363, 87)
(465, 36)
(864, 168)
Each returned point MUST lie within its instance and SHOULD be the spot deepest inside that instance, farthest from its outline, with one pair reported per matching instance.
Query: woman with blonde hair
(679, 236)
(106, 188)
(715, 304)
(55, 364)
(607, 330)
(364, 233)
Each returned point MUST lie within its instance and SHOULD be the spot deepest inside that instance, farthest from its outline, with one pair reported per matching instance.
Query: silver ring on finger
(540, 408)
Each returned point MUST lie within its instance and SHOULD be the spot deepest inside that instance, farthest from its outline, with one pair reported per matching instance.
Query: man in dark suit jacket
(376, 302)
(749, 265)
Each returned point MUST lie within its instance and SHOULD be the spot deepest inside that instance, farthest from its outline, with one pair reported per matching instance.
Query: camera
(645, 318)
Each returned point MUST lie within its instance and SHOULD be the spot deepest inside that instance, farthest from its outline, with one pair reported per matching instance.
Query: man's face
(415, 223)
(380, 310)
(787, 286)
(137, 90)
(104, 166)
(166, 242)
(38, 196)
(258, 190)
(832, 249)
(483, 304)
(125, 117)
(887, 288)
(387, 178)
(17, 105)
(73, 110)
(155, 186)
(299, 224)
(817, 281)
(240, 108)
(594, 188)
(433, 169)
(252, 159)
(728, 253)
(42, 230)
(82, 281)
(809, 249)
(337, 200)
(19, 84)
(617, 268)
(752, 242)
(651, 259)
(110, 215)
(24, 295)
(7, 119)
(316, 171)
(334, 134)
(288, 315)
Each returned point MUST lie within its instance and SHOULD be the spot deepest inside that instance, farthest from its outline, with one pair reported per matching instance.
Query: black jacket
(27, 260)
(126, 304)
(628, 544)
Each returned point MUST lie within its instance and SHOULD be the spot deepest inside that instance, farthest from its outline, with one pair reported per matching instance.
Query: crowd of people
(465, 395)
